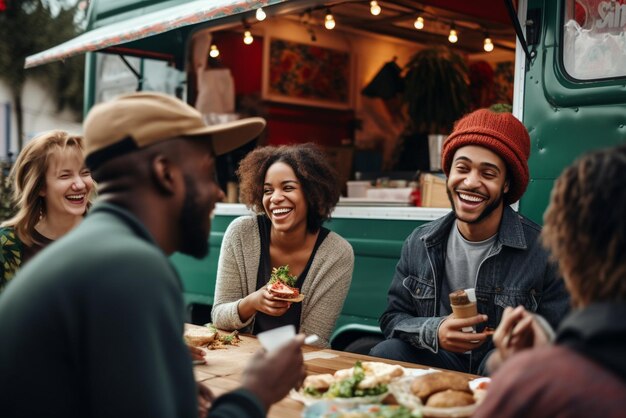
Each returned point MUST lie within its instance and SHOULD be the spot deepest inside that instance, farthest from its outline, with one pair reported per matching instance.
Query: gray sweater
(324, 289)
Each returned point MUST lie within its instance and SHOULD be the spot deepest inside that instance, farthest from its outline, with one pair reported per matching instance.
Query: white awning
(150, 24)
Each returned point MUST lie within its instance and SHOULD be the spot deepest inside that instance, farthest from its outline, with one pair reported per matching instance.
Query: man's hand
(197, 354)
(270, 376)
(205, 399)
(451, 338)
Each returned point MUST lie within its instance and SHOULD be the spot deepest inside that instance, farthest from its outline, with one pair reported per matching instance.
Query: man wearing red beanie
(483, 244)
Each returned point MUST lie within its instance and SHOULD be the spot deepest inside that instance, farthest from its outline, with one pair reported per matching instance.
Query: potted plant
(437, 94)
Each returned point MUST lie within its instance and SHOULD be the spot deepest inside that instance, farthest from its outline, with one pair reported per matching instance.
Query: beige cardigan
(325, 287)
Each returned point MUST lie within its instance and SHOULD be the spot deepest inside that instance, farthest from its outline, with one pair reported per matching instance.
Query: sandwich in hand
(281, 285)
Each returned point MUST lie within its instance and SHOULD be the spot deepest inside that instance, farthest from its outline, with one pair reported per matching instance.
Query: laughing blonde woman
(52, 189)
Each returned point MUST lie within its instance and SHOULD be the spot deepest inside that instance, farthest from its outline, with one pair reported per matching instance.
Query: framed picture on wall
(306, 74)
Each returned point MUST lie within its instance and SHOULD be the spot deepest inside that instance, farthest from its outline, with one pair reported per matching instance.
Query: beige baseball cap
(133, 121)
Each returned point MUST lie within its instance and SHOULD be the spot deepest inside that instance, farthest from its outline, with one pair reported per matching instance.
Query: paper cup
(277, 337)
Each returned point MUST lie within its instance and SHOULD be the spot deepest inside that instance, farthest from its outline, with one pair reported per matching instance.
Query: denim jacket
(517, 271)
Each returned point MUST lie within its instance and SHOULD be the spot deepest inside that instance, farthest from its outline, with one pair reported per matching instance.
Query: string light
(329, 20)
(488, 44)
(374, 8)
(453, 37)
(419, 23)
(247, 37)
(214, 52)
(260, 14)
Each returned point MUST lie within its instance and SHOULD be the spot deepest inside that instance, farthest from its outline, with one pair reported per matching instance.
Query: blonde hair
(29, 178)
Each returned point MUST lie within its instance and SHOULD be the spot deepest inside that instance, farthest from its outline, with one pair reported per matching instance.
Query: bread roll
(450, 398)
(424, 386)
(199, 337)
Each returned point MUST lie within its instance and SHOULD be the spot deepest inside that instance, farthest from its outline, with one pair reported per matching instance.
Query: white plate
(300, 396)
(319, 409)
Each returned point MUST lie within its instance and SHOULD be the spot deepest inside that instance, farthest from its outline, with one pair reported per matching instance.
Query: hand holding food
(453, 338)
(282, 285)
(264, 301)
(518, 330)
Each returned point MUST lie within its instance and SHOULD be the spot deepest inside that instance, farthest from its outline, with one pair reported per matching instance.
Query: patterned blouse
(10, 255)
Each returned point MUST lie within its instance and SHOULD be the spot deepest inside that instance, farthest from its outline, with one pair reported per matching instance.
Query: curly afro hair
(585, 227)
(312, 168)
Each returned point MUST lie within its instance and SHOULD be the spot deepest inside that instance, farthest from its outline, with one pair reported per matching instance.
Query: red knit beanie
(503, 134)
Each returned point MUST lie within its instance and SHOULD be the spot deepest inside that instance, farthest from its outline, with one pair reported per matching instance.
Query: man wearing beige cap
(482, 245)
(97, 318)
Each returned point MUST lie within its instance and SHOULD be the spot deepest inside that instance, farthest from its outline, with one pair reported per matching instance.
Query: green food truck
(567, 83)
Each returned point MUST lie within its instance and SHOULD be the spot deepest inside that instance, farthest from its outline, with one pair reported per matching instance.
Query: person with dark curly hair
(292, 190)
(585, 230)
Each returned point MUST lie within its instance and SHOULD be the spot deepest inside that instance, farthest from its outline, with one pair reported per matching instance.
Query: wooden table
(224, 369)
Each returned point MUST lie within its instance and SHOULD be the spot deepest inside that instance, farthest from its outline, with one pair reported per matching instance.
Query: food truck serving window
(594, 39)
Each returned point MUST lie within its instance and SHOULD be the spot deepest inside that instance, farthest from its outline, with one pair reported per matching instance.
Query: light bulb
(329, 21)
(374, 8)
(247, 37)
(419, 23)
(453, 37)
(260, 14)
(214, 52)
(488, 45)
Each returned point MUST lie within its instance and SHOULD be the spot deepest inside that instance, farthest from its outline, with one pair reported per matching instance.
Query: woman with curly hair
(585, 231)
(292, 190)
(52, 189)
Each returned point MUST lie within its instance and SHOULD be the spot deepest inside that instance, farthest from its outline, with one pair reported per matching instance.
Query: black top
(264, 322)
(31, 251)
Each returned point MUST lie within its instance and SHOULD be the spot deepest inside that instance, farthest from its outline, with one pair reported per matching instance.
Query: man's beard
(195, 240)
(484, 214)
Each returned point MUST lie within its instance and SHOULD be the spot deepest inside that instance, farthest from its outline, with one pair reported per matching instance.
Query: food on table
(199, 337)
(366, 378)
(319, 382)
(209, 337)
(450, 398)
(282, 285)
(426, 386)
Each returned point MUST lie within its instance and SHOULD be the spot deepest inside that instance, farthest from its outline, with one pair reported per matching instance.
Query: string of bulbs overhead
(330, 23)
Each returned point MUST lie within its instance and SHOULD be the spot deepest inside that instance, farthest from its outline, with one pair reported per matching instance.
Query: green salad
(347, 388)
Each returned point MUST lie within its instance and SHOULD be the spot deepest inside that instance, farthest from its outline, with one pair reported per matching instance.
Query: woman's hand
(267, 304)
(261, 301)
